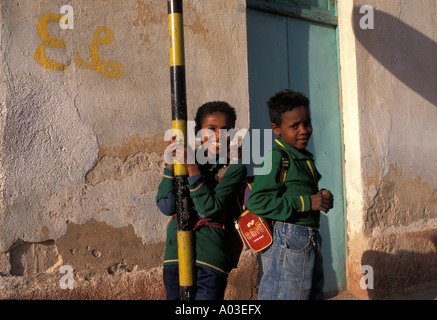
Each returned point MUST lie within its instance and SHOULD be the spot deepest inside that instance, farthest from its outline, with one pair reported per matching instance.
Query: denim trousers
(292, 266)
(210, 285)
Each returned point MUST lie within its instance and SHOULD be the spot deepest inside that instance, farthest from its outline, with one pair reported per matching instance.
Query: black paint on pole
(178, 93)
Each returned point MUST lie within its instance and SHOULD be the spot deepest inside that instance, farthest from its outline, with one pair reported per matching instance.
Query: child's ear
(276, 130)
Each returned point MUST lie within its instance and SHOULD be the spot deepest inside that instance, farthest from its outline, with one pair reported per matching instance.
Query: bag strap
(285, 165)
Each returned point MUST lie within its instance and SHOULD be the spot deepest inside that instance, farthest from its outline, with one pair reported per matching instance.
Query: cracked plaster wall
(390, 112)
(85, 143)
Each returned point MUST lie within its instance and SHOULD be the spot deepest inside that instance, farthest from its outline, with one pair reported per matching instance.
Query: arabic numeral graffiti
(110, 69)
(102, 35)
(48, 41)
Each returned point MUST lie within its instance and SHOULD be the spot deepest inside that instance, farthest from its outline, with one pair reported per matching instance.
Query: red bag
(255, 232)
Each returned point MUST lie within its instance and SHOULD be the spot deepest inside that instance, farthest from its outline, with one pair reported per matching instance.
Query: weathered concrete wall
(121, 282)
(389, 88)
(82, 121)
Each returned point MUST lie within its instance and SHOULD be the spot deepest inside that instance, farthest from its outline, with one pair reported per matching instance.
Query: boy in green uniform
(213, 191)
(292, 265)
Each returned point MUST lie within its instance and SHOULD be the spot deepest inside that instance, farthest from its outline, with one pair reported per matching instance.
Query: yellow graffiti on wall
(48, 41)
(110, 69)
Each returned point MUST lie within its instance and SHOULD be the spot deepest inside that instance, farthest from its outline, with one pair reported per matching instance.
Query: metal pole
(179, 125)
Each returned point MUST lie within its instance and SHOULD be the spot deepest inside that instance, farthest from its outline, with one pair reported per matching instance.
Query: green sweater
(215, 247)
(301, 182)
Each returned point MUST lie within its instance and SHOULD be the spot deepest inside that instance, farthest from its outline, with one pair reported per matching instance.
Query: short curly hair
(284, 101)
(215, 106)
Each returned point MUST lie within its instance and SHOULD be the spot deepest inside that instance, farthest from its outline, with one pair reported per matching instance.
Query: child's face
(296, 127)
(214, 122)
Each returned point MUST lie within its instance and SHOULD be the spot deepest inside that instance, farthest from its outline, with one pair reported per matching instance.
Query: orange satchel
(256, 232)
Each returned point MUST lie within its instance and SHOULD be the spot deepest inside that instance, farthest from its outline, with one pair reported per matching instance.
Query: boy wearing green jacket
(213, 187)
(292, 266)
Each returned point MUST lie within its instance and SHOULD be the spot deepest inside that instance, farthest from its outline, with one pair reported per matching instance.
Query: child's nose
(303, 129)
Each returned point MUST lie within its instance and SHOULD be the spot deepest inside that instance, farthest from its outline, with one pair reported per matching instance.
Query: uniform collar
(295, 153)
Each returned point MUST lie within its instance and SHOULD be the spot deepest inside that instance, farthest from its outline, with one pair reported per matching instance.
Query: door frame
(300, 9)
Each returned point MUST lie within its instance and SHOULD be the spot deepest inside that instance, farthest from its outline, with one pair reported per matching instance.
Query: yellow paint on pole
(185, 256)
(176, 39)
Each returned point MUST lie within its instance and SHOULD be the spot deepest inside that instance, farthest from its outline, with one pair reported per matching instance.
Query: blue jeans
(210, 285)
(292, 266)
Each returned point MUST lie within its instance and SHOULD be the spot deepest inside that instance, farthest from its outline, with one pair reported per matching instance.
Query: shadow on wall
(405, 272)
(405, 52)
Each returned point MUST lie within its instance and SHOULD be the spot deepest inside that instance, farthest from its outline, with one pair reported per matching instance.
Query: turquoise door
(301, 54)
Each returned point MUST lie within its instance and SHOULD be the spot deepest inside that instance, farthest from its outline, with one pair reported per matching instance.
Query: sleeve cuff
(193, 179)
(168, 173)
(166, 205)
(305, 203)
(198, 187)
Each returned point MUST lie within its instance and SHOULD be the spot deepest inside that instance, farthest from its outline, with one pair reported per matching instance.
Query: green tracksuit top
(209, 199)
(293, 205)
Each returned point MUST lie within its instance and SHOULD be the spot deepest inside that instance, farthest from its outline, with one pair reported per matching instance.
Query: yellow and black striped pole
(179, 124)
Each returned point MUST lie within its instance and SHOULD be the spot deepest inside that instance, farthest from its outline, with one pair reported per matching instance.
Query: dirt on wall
(399, 239)
(107, 263)
(398, 200)
(96, 247)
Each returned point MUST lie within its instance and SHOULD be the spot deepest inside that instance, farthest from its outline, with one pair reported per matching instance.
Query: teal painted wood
(284, 52)
(267, 63)
(323, 11)
(313, 65)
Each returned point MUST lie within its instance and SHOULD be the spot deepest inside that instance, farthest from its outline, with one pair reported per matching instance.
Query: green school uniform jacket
(215, 247)
(301, 182)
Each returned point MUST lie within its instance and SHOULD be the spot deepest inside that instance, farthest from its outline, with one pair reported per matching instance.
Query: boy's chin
(300, 145)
